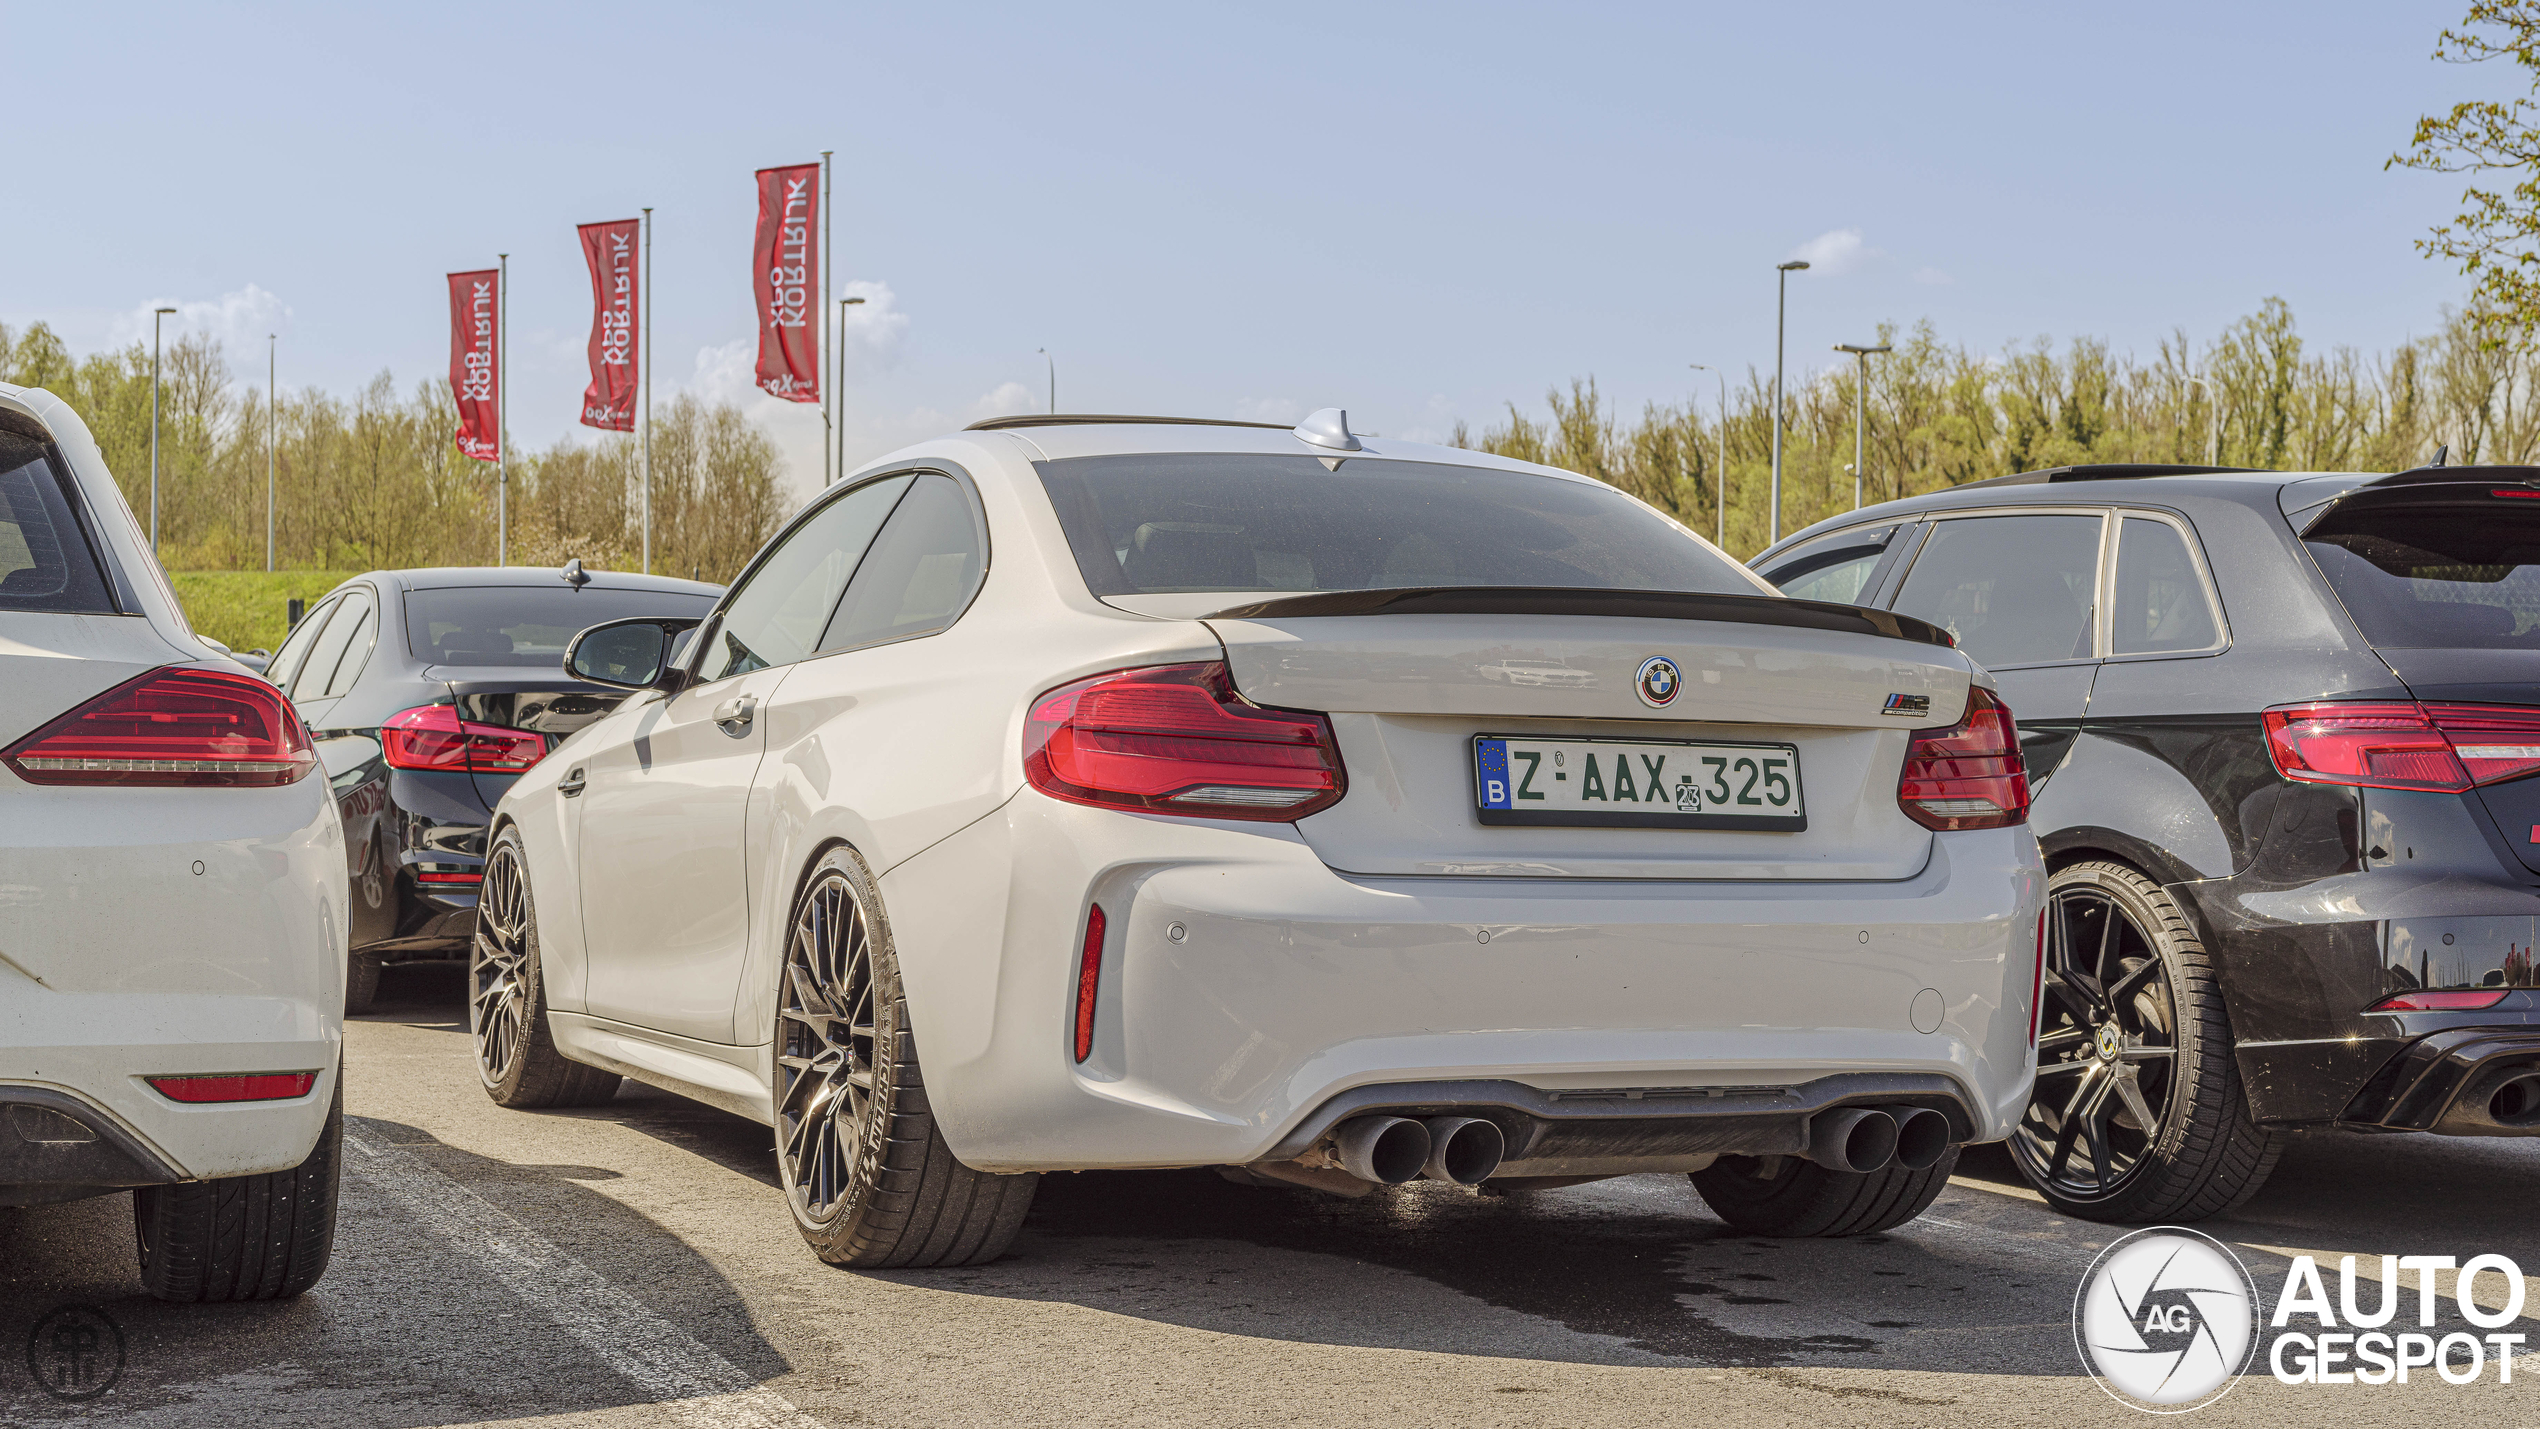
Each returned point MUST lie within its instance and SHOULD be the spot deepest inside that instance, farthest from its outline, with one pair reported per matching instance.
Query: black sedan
(428, 692)
(2284, 730)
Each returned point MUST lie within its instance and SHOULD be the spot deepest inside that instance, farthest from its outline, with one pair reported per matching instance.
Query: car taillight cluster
(173, 727)
(1970, 775)
(2403, 744)
(1177, 739)
(434, 737)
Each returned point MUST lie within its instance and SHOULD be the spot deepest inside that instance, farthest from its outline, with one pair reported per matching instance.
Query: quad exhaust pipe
(1389, 1150)
(1860, 1139)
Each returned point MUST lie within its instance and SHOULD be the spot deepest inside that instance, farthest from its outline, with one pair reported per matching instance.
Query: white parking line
(682, 1375)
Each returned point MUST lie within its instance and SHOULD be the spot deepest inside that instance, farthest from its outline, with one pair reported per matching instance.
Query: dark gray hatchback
(2284, 732)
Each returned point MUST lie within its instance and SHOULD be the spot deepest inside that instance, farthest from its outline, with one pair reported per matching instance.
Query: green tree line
(1941, 413)
(375, 480)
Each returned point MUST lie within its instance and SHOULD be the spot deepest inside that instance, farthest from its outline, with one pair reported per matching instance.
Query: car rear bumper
(1245, 985)
(155, 932)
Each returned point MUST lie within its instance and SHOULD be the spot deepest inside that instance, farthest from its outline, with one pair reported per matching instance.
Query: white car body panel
(154, 931)
(1316, 958)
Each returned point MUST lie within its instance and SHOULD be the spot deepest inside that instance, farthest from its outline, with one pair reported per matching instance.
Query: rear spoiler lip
(1569, 600)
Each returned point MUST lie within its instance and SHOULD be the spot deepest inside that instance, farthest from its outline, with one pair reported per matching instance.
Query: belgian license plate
(1637, 784)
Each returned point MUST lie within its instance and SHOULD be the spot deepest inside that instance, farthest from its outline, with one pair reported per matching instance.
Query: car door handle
(571, 784)
(733, 716)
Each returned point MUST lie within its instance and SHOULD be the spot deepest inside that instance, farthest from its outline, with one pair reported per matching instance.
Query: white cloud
(1010, 399)
(1286, 411)
(1933, 277)
(1836, 253)
(239, 321)
(874, 330)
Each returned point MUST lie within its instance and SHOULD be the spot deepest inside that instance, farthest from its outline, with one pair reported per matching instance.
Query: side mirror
(637, 654)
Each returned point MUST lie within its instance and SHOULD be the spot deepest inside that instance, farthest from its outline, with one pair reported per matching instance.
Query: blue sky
(1416, 212)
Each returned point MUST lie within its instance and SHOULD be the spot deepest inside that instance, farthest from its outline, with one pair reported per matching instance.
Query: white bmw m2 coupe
(1109, 792)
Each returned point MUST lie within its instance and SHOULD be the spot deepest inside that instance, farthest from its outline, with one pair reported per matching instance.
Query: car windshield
(2448, 575)
(1233, 522)
(525, 625)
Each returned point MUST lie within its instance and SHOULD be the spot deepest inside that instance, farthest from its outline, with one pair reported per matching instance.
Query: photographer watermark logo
(76, 1352)
(2165, 1320)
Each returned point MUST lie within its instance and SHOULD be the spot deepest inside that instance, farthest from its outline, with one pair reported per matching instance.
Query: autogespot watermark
(75, 1352)
(2168, 1319)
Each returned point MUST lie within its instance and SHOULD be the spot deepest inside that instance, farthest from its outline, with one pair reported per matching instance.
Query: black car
(428, 692)
(2283, 729)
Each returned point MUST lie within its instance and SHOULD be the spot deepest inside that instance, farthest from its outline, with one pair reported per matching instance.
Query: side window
(2014, 590)
(294, 650)
(919, 576)
(1836, 567)
(777, 615)
(2160, 602)
(347, 639)
(357, 650)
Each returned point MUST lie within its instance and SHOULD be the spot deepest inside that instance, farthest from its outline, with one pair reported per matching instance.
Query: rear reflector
(434, 737)
(1970, 775)
(255, 1087)
(1088, 982)
(472, 875)
(175, 727)
(1177, 739)
(2403, 745)
(2476, 1001)
(2037, 981)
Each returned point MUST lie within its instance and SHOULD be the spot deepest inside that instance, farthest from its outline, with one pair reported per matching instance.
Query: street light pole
(1860, 405)
(271, 343)
(1781, 314)
(1720, 482)
(155, 315)
(1053, 362)
(836, 367)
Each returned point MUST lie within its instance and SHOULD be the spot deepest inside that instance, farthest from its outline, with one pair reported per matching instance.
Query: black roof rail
(2108, 471)
(1067, 419)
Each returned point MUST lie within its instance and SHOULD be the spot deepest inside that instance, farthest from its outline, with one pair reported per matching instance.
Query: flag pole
(502, 409)
(272, 345)
(828, 363)
(646, 333)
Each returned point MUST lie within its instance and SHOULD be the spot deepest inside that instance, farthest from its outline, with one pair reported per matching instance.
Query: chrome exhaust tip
(1922, 1137)
(1387, 1150)
(1853, 1139)
(2516, 1103)
(1463, 1150)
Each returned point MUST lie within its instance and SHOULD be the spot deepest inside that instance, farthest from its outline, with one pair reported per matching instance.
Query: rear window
(1215, 521)
(45, 560)
(525, 625)
(2461, 574)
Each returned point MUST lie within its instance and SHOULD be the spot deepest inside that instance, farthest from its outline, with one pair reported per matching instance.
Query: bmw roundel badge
(1659, 682)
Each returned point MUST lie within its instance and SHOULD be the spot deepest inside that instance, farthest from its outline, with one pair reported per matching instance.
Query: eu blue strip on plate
(1490, 767)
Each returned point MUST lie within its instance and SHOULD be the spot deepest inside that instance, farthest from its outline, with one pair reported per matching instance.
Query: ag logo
(1659, 682)
(2165, 1320)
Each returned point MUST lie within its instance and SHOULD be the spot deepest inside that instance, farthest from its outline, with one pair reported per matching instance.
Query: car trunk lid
(545, 704)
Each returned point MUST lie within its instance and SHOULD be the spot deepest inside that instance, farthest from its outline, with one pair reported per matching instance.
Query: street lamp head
(163, 310)
(849, 302)
(1793, 266)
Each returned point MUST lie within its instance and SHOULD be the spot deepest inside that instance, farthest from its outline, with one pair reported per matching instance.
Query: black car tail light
(434, 737)
(173, 727)
(2390, 744)
(1970, 775)
(1177, 739)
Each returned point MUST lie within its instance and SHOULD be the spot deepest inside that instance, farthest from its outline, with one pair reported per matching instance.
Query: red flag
(787, 281)
(609, 402)
(474, 382)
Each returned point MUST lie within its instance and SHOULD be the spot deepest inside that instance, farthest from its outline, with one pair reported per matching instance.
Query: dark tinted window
(920, 573)
(2450, 576)
(346, 642)
(295, 647)
(783, 605)
(2160, 602)
(525, 625)
(2014, 590)
(1217, 521)
(1834, 567)
(45, 562)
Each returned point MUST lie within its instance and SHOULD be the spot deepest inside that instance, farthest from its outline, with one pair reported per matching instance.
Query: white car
(1332, 810)
(172, 899)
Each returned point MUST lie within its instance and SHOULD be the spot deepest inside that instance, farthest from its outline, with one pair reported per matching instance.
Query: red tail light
(2404, 745)
(1088, 982)
(1177, 739)
(434, 737)
(1970, 775)
(171, 727)
(2476, 1001)
(256, 1087)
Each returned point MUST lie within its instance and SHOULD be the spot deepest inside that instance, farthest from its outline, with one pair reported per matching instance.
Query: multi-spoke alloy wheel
(516, 1057)
(824, 1052)
(2138, 1112)
(858, 1151)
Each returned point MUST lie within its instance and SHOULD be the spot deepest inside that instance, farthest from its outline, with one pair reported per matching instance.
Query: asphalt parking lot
(632, 1265)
